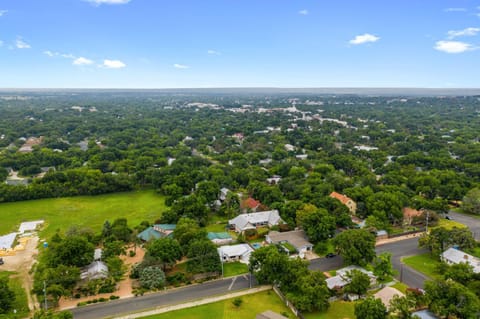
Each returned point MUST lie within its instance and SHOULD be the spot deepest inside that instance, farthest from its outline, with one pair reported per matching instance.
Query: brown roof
(409, 212)
(386, 295)
(342, 198)
(250, 203)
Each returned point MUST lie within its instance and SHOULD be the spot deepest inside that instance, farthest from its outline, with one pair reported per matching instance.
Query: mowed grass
(337, 310)
(91, 211)
(423, 263)
(250, 307)
(21, 302)
(234, 269)
(449, 224)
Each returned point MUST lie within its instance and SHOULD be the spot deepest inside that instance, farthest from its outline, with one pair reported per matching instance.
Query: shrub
(83, 303)
(237, 302)
(132, 253)
(152, 277)
(113, 297)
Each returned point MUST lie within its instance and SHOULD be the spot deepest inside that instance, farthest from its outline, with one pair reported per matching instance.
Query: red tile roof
(250, 203)
(342, 198)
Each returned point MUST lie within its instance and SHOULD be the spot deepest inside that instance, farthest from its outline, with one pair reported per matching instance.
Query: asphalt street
(399, 249)
(170, 297)
(471, 222)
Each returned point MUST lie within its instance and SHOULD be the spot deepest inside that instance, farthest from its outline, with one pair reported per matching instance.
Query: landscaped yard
(400, 286)
(250, 307)
(91, 211)
(234, 269)
(337, 310)
(20, 304)
(423, 263)
(449, 224)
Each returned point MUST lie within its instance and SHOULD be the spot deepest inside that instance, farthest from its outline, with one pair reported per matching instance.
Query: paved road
(471, 222)
(408, 247)
(170, 297)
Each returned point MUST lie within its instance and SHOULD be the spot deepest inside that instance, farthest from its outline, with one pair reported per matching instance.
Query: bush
(77, 296)
(102, 299)
(132, 253)
(237, 302)
(83, 303)
(152, 277)
(113, 297)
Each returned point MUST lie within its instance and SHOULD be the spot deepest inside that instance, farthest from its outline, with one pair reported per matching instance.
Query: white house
(96, 270)
(253, 220)
(296, 238)
(223, 193)
(341, 279)
(240, 252)
(455, 256)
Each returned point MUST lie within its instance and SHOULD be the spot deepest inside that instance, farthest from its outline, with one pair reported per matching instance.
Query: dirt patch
(124, 287)
(21, 261)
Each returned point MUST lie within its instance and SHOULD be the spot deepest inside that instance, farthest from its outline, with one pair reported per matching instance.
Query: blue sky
(239, 43)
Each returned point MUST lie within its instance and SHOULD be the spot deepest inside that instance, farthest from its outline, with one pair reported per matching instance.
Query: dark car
(448, 217)
(330, 255)
(1, 261)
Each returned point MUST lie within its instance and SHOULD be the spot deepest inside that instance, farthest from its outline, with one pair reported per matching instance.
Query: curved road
(470, 221)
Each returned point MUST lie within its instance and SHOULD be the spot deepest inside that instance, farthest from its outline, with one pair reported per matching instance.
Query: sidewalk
(194, 303)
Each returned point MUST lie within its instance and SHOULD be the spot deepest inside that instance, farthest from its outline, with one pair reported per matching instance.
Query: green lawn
(250, 307)
(234, 269)
(449, 224)
(21, 302)
(400, 286)
(337, 310)
(91, 211)
(423, 263)
(216, 227)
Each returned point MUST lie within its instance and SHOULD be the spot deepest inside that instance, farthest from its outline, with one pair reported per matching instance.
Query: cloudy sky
(232, 43)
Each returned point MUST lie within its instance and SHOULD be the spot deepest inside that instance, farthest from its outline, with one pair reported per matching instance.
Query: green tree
(7, 296)
(203, 257)
(370, 308)
(166, 251)
(359, 282)
(152, 278)
(316, 222)
(72, 251)
(471, 201)
(402, 307)
(356, 246)
(310, 293)
(382, 267)
(187, 231)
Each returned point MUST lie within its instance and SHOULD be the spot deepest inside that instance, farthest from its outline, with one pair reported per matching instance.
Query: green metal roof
(223, 235)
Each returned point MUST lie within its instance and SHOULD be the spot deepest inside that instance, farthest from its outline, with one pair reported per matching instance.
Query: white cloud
(364, 38)
(180, 66)
(214, 52)
(1, 43)
(453, 46)
(303, 12)
(455, 10)
(82, 61)
(99, 2)
(3, 12)
(20, 44)
(113, 64)
(463, 33)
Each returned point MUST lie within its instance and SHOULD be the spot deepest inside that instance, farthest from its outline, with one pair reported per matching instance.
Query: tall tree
(7, 296)
(356, 246)
(471, 201)
(165, 251)
(370, 308)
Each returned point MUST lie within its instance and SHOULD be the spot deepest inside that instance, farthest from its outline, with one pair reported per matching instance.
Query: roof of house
(386, 295)
(165, 227)
(96, 270)
(247, 221)
(409, 212)
(297, 238)
(457, 256)
(223, 235)
(149, 234)
(234, 250)
(425, 314)
(341, 280)
(343, 271)
(269, 315)
(342, 198)
(336, 281)
(6, 241)
(250, 203)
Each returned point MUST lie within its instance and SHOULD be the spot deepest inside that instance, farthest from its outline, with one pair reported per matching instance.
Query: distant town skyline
(219, 43)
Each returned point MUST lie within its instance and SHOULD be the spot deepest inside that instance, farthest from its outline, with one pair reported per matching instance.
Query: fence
(295, 311)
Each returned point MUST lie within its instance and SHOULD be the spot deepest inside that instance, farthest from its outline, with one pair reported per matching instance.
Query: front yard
(423, 263)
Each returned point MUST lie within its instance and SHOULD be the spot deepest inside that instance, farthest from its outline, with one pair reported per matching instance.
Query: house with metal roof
(296, 238)
(157, 231)
(253, 220)
(220, 238)
(455, 256)
(240, 252)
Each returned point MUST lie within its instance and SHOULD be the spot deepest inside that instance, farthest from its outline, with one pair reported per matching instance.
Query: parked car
(448, 217)
(1, 261)
(330, 255)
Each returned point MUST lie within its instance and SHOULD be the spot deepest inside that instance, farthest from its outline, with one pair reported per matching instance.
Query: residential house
(253, 220)
(345, 200)
(96, 270)
(454, 256)
(249, 204)
(386, 295)
(296, 238)
(409, 214)
(157, 231)
(274, 180)
(223, 193)
(424, 314)
(240, 252)
(289, 147)
(220, 238)
(341, 279)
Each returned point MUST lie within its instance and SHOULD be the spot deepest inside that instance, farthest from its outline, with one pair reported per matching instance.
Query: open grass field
(423, 263)
(337, 310)
(250, 307)
(91, 211)
(20, 303)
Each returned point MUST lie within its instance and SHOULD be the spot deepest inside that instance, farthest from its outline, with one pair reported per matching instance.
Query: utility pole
(45, 295)
(426, 226)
